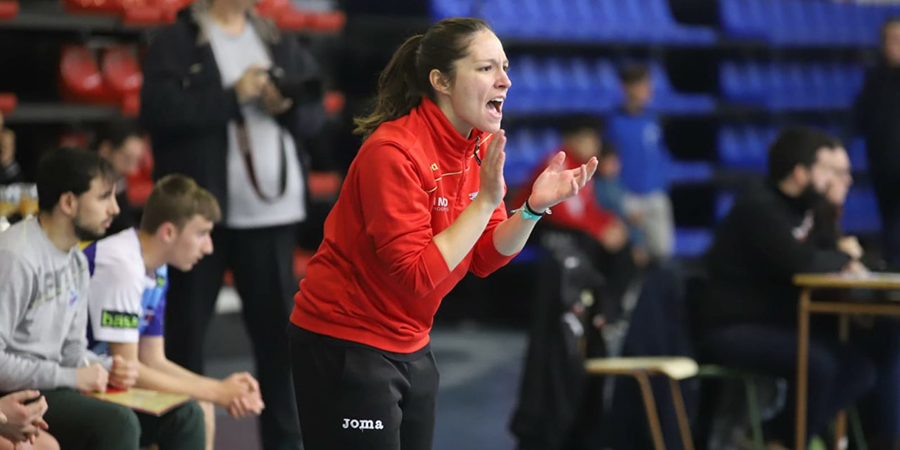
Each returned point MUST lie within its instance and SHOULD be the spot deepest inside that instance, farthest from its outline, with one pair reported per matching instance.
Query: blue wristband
(529, 214)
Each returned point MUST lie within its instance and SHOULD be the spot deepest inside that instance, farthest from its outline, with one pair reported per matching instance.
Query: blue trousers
(863, 372)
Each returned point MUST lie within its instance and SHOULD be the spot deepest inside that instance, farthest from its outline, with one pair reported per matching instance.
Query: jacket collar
(447, 140)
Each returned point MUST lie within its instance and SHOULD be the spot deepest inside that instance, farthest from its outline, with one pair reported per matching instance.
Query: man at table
(879, 339)
(749, 317)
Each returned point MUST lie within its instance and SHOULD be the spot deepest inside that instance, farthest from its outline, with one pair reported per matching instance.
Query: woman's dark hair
(404, 80)
(117, 131)
(69, 169)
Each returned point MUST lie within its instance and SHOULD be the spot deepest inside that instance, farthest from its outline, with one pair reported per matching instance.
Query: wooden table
(808, 282)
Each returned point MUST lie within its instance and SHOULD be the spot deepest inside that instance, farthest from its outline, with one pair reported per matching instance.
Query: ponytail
(398, 92)
(404, 80)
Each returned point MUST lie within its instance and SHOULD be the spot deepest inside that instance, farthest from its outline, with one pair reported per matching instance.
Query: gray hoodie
(43, 311)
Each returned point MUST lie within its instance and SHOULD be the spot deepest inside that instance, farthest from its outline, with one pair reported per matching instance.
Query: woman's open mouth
(495, 106)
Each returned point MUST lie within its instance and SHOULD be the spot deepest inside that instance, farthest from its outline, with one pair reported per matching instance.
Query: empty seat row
(582, 85)
(528, 148)
(579, 20)
(804, 22)
(110, 75)
(155, 12)
(744, 147)
(794, 85)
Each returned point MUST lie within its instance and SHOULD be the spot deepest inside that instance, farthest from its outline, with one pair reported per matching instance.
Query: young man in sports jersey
(128, 296)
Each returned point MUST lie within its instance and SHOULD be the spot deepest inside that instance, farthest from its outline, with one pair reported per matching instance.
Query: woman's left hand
(556, 184)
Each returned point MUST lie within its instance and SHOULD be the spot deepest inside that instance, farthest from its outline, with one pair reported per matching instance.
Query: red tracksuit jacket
(378, 277)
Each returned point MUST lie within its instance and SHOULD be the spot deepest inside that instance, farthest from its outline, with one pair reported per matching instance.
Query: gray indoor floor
(480, 371)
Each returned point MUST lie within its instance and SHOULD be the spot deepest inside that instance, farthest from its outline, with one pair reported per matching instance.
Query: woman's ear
(439, 82)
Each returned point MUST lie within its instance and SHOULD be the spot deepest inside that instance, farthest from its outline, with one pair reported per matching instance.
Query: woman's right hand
(92, 378)
(250, 86)
(492, 182)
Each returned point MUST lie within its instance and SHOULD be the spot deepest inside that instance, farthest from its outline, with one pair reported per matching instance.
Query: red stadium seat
(74, 139)
(8, 102)
(327, 22)
(8, 9)
(94, 6)
(80, 77)
(140, 182)
(122, 75)
(334, 102)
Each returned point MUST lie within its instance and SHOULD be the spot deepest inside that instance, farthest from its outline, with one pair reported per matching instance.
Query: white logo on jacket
(441, 204)
(363, 424)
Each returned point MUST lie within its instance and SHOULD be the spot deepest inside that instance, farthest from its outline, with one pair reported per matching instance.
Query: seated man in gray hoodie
(43, 316)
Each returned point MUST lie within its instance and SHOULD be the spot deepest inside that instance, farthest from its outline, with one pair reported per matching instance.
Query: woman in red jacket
(422, 205)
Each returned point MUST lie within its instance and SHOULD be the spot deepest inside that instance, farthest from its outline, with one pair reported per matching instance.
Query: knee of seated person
(125, 419)
(189, 416)
(119, 424)
(823, 368)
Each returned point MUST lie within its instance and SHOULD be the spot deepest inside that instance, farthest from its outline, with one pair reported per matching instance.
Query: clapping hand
(556, 184)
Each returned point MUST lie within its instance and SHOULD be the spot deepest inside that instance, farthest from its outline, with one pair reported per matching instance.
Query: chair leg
(650, 407)
(753, 411)
(684, 426)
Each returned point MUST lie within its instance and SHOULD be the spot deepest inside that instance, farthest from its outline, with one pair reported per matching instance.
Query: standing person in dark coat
(227, 100)
(878, 116)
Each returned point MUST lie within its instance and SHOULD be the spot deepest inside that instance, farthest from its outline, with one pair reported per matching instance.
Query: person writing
(421, 206)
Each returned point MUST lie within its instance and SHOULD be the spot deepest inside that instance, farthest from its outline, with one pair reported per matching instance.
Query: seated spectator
(10, 171)
(611, 196)
(878, 338)
(129, 280)
(22, 423)
(636, 133)
(121, 142)
(606, 234)
(749, 316)
(43, 316)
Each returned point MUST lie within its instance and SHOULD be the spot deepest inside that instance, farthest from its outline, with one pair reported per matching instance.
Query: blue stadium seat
(724, 203)
(682, 172)
(742, 19)
(581, 20)
(861, 212)
(442, 9)
(528, 88)
(792, 85)
(856, 149)
(587, 85)
(804, 22)
(743, 147)
(557, 92)
(692, 242)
